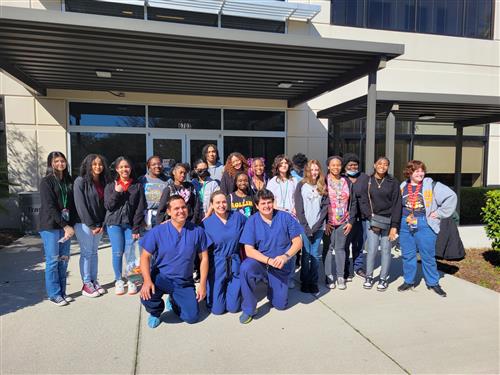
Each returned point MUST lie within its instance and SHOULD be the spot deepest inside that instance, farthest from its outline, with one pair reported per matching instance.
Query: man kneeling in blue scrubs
(271, 238)
(175, 245)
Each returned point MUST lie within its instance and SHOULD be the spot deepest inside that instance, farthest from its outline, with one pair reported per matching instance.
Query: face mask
(203, 173)
(353, 173)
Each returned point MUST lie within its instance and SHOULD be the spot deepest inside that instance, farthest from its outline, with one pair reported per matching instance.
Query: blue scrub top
(271, 240)
(225, 237)
(174, 251)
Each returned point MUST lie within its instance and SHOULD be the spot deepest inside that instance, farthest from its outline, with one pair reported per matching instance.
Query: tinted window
(440, 16)
(93, 114)
(3, 153)
(478, 19)
(392, 15)
(111, 146)
(233, 22)
(184, 118)
(266, 147)
(104, 8)
(254, 120)
(348, 12)
(179, 16)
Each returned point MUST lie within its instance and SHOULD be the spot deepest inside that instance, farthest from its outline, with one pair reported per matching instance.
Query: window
(254, 120)
(267, 147)
(4, 188)
(469, 18)
(184, 118)
(105, 8)
(234, 22)
(180, 16)
(110, 145)
(116, 115)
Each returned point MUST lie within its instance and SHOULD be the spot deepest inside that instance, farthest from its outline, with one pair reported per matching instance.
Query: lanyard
(337, 188)
(283, 197)
(202, 191)
(64, 193)
(412, 197)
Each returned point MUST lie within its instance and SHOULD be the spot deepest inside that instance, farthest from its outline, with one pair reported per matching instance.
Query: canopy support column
(390, 139)
(458, 163)
(371, 118)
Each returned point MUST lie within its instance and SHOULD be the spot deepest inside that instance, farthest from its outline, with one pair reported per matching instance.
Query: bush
(472, 200)
(491, 217)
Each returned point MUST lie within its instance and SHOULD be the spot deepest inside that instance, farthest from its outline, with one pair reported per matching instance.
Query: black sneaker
(382, 285)
(305, 288)
(438, 290)
(405, 287)
(361, 273)
(368, 284)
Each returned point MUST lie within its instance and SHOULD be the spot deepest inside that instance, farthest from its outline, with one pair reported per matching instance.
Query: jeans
(89, 244)
(56, 261)
(311, 258)
(121, 242)
(423, 239)
(372, 243)
(356, 240)
(337, 242)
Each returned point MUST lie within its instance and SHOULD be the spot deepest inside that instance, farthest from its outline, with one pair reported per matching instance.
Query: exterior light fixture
(285, 85)
(427, 116)
(103, 73)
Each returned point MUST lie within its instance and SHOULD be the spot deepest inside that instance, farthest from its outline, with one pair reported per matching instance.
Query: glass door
(170, 148)
(195, 144)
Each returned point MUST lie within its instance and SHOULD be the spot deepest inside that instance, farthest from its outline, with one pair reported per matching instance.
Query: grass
(480, 266)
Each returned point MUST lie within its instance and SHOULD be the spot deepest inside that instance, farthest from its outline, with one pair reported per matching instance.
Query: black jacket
(227, 183)
(301, 215)
(358, 189)
(52, 204)
(449, 244)
(192, 202)
(88, 205)
(386, 200)
(126, 207)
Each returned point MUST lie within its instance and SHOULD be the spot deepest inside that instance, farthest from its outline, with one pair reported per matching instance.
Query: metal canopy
(462, 110)
(62, 50)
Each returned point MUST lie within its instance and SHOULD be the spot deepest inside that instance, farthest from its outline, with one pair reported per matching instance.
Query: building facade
(450, 47)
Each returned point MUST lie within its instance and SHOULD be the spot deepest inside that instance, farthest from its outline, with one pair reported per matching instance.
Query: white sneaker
(341, 282)
(119, 287)
(68, 298)
(132, 288)
(291, 284)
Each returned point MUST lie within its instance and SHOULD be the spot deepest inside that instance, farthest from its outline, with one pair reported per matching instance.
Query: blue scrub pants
(311, 258)
(423, 239)
(252, 272)
(356, 240)
(183, 297)
(223, 284)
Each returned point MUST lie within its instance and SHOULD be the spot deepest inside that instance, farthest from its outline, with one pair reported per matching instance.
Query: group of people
(230, 227)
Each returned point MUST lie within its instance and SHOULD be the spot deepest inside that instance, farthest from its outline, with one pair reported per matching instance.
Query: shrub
(472, 200)
(491, 217)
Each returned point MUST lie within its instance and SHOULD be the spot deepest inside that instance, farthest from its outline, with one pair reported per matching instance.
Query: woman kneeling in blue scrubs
(224, 229)
(271, 238)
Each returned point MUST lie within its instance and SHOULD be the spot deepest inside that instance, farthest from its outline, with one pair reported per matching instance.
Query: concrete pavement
(351, 331)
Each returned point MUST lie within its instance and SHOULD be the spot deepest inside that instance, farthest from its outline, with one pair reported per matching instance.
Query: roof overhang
(461, 110)
(63, 50)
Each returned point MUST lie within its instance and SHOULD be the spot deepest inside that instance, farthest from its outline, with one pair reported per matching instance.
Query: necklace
(381, 182)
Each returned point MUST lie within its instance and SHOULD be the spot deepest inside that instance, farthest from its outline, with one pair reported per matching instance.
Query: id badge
(339, 212)
(65, 214)
(412, 221)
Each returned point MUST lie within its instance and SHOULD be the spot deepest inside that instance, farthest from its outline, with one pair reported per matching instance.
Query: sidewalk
(351, 331)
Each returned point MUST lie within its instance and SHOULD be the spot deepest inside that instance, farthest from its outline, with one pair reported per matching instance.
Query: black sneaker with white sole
(368, 284)
(382, 285)
(405, 287)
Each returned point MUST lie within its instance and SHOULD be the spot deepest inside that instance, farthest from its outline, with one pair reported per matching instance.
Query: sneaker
(368, 284)
(330, 283)
(245, 319)
(361, 273)
(405, 287)
(305, 288)
(348, 278)
(341, 283)
(170, 305)
(119, 287)
(89, 290)
(99, 288)
(438, 290)
(58, 301)
(132, 288)
(153, 321)
(291, 284)
(382, 285)
(68, 298)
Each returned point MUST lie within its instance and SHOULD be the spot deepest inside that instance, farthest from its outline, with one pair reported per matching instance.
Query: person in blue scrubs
(224, 230)
(271, 238)
(174, 244)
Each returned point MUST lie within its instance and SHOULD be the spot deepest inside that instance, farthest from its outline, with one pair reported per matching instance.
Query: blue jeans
(372, 243)
(356, 240)
(56, 261)
(121, 242)
(423, 239)
(311, 258)
(89, 244)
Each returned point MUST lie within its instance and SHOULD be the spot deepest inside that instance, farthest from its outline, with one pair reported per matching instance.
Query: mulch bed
(480, 266)
(7, 236)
